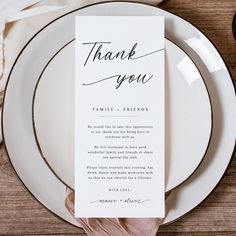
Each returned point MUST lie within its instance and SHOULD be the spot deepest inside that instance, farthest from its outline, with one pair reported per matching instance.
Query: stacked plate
(200, 111)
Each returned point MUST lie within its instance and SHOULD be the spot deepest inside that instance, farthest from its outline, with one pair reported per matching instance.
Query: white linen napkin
(11, 10)
(2, 26)
(11, 7)
(7, 9)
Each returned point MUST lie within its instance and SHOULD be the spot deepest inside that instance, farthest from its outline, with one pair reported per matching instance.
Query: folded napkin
(11, 10)
(10, 7)
(7, 9)
(115, 226)
(2, 26)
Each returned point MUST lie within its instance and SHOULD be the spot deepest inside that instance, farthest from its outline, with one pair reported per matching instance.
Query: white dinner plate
(186, 98)
(17, 111)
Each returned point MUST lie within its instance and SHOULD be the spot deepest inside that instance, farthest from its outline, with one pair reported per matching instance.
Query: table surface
(21, 214)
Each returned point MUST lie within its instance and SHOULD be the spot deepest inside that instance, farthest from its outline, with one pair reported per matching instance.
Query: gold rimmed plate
(186, 98)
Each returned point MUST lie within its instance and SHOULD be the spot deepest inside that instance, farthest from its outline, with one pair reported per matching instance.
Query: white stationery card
(119, 116)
